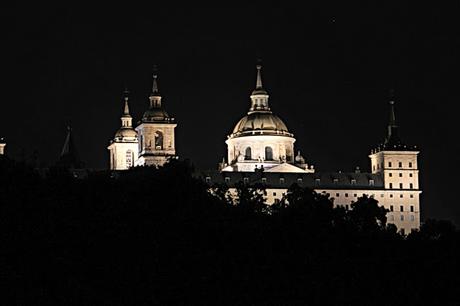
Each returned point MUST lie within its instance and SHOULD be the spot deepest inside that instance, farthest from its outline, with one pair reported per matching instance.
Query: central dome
(260, 123)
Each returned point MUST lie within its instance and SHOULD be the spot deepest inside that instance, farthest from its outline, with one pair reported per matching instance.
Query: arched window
(268, 153)
(129, 158)
(158, 140)
(247, 154)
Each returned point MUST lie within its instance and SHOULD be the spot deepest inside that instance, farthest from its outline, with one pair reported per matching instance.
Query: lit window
(371, 182)
(400, 174)
(391, 207)
(129, 158)
(411, 186)
(299, 180)
(336, 181)
(353, 182)
(401, 208)
(400, 164)
(400, 185)
(317, 181)
(412, 208)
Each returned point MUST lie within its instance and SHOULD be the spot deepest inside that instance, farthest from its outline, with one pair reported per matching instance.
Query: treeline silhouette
(163, 236)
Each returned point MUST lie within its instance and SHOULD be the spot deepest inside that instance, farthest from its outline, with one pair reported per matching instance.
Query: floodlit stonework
(260, 150)
(2, 146)
(151, 143)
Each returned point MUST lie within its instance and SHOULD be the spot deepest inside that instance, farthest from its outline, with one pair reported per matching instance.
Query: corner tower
(124, 146)
(397, 163)
(156, 132)
(261, 139)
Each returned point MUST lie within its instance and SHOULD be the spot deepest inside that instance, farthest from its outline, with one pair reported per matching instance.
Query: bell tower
(156, 132)
(124, 146)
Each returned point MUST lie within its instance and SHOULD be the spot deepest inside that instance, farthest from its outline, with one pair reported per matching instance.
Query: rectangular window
(299, 180)
(403, 232)
(412, 217)
(402, 218)
(274, 194)
(400, 174)
(411, 175)
(391, 195)
(337, 195)
(281, 180)
(355, 195)
(264, 180)
(389, 164)
(391, 207)
(346, 195)
(346, 207)
(411, 195)
(246, 179)
(390, 174)
(371, 182)
(317, 181)
(353, 182)
(227, 179)
(400, 186)
(391, 185)
(401, 196)
(401, 208)
(400, 164)
(373, 168)
(411, 186)
(382, 195)
(208, 179)
(410, 164)
(412, 208)
(392, 218)
(336, 181)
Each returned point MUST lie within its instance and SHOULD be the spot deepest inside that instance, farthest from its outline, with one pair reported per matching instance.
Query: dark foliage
(157, 236)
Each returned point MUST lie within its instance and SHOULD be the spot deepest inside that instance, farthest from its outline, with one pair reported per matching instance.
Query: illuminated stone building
(151, 143)
(261, 150)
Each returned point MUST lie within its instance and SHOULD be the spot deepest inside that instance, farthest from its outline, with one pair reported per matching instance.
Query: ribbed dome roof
(126, 132)
(155, 114)
(265, 123)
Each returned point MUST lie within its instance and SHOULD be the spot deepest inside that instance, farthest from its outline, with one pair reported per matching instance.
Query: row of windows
(401, 208)
(268, 153)
(381, 195)
(299, 180)
(390, 164)
(401, 218)
(400, 174)
(401, 186)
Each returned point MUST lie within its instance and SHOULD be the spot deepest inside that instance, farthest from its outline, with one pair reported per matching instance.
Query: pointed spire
(126, 98)
(155, 91)
(392, 134)
(69, 157)
(259, 77)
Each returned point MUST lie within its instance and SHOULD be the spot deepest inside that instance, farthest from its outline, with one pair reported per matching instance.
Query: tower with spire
(123, 147)
(156, 132)
(397, 164)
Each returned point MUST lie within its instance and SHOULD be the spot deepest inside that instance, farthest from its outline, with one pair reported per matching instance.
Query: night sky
(328, 70)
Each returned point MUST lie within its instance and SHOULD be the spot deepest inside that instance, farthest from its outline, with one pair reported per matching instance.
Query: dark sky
(328, 70)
